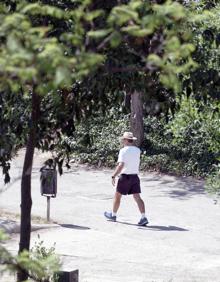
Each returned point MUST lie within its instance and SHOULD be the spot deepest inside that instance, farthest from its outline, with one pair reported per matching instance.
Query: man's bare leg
(116, 203)
(140, 203)
(143, 221)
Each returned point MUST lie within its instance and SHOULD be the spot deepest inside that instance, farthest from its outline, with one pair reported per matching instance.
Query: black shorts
(128, 184)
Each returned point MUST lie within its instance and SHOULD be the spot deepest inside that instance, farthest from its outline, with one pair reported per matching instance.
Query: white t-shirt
(130, 156)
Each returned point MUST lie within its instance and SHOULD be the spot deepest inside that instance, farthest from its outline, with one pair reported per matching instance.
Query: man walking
(128, 182)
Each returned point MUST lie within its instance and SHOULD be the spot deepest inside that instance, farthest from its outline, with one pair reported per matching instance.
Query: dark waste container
(68, 276)
(48, 180)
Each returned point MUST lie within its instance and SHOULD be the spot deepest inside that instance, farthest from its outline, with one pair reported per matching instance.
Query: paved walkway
(181, 243)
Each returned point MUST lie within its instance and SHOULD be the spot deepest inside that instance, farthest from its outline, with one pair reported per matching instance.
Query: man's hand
(113, 180)
(117, 172)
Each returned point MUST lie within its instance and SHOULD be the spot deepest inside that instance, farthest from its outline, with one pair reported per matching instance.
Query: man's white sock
(143, 215)
(114, 213)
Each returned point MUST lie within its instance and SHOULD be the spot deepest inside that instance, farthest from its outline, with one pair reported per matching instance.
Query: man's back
(130, 156)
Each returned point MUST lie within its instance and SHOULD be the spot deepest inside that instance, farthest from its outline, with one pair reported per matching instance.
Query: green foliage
(35, 59)
(51, 48)
(39, 251)
(185, 142)
(41, 263)
(141, 19)
(31, 57)
(212, 184)
(204, 82)
(185, 145)
(34, 55)
(97, 141)
(14, 122)
(197, 123)
(169, 152)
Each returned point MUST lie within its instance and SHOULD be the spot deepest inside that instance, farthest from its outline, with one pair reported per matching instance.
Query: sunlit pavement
(180, 244)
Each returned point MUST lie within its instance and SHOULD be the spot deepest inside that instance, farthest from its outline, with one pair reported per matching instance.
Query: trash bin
(68, 276)
(48, 180)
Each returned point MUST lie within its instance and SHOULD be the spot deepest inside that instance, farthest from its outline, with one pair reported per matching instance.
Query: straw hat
(128, 135)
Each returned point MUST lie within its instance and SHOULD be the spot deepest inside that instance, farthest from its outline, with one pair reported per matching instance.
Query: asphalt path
(180, 244)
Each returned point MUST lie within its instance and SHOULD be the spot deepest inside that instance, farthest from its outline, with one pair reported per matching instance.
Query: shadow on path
(186, 188)
(165, 228)
(155, 227)
(71, 226)
(181, 188)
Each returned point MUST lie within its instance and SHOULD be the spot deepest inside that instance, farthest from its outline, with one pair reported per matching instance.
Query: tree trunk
(136, 119)
(26, 201)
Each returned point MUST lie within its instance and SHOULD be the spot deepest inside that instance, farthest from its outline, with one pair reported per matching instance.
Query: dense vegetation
(69, 70)
(186, 144)
(52, 51)
(182, 135)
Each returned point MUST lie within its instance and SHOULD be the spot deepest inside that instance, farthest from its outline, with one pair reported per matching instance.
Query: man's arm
(117, 171)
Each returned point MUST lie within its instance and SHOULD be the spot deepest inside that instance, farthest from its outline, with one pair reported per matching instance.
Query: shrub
(187, 144)
(196, 130)
(97, 141)
(40, 263)
(212, 184)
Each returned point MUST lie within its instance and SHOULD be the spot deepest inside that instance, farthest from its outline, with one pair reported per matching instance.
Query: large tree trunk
(136, 120)
(26, 201)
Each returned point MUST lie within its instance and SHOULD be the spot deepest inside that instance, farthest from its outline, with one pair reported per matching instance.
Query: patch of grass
(6, 215)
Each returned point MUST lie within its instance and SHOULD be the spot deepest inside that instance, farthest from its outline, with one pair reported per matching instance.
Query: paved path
(181, 243)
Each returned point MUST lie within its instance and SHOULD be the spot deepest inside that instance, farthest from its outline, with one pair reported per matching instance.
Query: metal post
(48, 208)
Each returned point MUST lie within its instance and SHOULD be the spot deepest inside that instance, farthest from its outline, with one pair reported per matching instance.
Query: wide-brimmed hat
(128, 135)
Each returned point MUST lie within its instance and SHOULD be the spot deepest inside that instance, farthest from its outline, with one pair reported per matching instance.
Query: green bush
(196, 130)
(97, 141)
(187, 144)
(162, 153)
(40, 263)
(212, 184)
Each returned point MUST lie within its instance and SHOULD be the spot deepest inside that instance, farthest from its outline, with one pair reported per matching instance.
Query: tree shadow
(154, 227)
(181, 188)
(72, 226)
(165, 182)
(186, 188)
(151, 179)
(7, 221)
(166, 228)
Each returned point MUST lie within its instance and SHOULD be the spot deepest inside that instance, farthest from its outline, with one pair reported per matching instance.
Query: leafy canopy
(50, 47)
